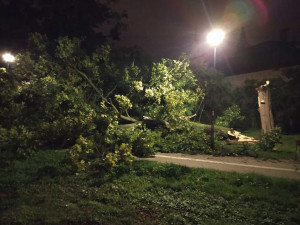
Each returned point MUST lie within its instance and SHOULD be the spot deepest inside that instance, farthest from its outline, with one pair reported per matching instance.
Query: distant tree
(218, 93)
(73, 18)
(125, 56)
(285, 100)
(246, 98)
(230, 116)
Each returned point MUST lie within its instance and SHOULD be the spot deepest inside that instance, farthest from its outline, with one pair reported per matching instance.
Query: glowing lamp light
(215, 37)
(7, 57)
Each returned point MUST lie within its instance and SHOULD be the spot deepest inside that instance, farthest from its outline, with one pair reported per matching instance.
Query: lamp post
(8, 58)
(214, 39)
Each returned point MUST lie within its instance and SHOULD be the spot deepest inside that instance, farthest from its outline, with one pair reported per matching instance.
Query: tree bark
(264, 108)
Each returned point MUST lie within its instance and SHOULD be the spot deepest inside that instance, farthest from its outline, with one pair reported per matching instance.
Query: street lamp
(214, 39)
(8, 58)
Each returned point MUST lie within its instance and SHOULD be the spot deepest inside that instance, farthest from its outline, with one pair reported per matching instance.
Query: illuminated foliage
(172, 93)
(55, 97)
(59, 96)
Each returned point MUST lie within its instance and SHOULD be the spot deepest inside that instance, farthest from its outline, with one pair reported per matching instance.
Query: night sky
(166, 28)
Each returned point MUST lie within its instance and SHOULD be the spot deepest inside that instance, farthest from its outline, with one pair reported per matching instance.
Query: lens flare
(260, 6)
(239, 13)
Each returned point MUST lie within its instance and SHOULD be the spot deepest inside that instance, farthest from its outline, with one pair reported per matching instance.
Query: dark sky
(166, 28)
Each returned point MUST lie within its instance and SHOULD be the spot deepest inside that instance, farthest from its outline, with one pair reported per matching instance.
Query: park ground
(286, 168)
(45, 190)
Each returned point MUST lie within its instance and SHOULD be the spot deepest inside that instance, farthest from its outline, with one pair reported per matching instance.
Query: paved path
(275, 168)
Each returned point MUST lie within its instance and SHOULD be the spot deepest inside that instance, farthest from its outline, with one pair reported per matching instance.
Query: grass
(255, 133)
(44, 190)
(285, 150)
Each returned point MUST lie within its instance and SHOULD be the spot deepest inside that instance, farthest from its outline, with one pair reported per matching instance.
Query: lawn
(44, 190)
(285, 150)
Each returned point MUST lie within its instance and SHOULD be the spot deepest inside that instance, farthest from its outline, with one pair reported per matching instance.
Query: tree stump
(264, 107)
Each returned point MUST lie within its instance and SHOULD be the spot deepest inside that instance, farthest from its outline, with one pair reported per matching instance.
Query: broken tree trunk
(264, 108)
(152, 123)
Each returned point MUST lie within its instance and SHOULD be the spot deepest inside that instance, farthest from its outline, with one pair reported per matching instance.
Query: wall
(239, 80)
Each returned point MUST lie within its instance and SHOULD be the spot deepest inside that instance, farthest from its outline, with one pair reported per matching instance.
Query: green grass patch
(288, 143)
(255, 133)
(285, 150)
(44, 190)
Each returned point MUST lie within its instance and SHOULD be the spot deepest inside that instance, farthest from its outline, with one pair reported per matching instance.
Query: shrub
(230, 115)
(120, 155)
(146, 143)
(244, 149)
(189, 140)
(17, 142)
(79, 153)
(86, 154)
(267, 143)
(269, 140)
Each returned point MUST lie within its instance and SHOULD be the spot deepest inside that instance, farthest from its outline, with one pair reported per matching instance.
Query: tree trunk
(264, 108)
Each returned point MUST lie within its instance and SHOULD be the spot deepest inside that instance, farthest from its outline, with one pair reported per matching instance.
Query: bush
(87, 154)
(230, 116)
(269, 140)
(188, 140)
(146, 143)
(243, 149)
(267, 143)
(17, 142)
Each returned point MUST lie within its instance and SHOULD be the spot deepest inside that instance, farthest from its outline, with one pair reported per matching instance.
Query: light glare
(7, 57)
(215, 37)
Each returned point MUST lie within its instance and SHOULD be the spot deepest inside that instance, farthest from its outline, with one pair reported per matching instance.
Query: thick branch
(91, 83)
(128, 118)
(97, 90)
(109, 102)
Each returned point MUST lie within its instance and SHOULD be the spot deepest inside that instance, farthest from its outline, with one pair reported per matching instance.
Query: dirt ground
(276, 168)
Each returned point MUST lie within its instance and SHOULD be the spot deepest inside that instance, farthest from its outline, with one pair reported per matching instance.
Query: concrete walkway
(275, 168)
